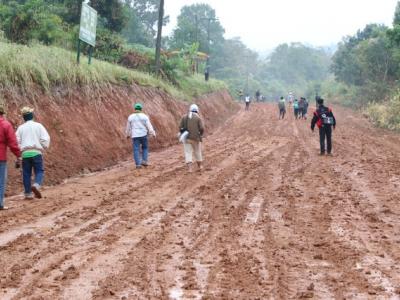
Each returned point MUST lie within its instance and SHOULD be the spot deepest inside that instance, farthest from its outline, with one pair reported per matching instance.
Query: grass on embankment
(387, 114)
(25, 66)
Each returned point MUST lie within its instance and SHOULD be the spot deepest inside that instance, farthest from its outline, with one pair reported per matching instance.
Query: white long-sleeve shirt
(139, 125)
(32, 136)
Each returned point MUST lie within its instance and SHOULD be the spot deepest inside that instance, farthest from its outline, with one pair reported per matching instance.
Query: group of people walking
(28, 144)
(191, 130)
(31, 139)
(300, 108)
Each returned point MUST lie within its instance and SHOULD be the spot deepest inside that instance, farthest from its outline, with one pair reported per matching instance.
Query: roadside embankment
(87, 124)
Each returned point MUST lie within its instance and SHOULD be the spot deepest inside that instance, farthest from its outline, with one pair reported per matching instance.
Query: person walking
(301, 108)
(325, 120)
(305, 109)
(8, 139)
(282, 108)
(138, 129)
(33, 139)
(247, 101)
(193, 125)
(296, 108)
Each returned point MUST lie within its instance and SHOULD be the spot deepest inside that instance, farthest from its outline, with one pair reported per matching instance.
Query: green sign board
(87, 30)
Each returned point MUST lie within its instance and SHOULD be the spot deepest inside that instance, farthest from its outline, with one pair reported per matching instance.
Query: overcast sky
(264, 24)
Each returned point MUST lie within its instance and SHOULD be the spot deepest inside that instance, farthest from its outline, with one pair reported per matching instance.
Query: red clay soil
(267, 219)
(87, 128)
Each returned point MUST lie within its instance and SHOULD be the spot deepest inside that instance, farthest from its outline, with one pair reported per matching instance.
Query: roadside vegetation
(367, 70)
(47, 66)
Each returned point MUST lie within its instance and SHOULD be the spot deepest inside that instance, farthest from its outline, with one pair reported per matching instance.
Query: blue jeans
(3, 181)
(35, 163)
(137, 142)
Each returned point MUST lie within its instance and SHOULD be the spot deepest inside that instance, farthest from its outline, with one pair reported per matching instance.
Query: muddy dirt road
(267, 219)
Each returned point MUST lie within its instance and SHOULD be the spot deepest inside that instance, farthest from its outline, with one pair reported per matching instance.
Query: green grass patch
(386, 114)
(27, 66)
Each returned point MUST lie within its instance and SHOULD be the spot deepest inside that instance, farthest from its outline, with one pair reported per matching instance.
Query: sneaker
(28, 196)
(322, 153)
(145, 164)
(36, 190)
(4, 208)
(138, 167)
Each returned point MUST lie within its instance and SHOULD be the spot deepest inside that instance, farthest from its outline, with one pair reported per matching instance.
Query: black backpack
(325, 115)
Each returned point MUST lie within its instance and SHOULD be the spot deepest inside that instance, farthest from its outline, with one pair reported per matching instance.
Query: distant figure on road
(33, 139)
(325, 120)
(258, 95)
(296, 108)
(305, 109)
(7, 140)
(282, 108)
(301, 107)
(138, 129)
(207, 74)
(193, 125)
(247, 101)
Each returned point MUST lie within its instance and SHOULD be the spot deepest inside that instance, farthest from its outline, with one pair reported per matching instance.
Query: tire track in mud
(267, 219)
(185, 243)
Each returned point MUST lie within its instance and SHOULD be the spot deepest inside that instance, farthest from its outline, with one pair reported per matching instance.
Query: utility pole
(159, 35)
(247, 73)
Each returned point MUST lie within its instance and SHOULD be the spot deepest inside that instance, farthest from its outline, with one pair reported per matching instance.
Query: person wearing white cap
(193, 125)
(33, 139)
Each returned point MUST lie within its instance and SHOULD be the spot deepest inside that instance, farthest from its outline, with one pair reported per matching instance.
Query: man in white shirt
(33, 139)
(138, 128)
(247, 101)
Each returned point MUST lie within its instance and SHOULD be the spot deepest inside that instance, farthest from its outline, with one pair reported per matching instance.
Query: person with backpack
(8, 139)
(138, 129)
(325, 120)
(282, 108)
(33, 139)
(192, 129)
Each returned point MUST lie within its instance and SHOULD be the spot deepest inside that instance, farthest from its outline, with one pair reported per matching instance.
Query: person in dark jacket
(8, 139)
(325, 120)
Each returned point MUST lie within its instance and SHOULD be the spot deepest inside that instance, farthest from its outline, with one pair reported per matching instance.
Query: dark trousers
(325, 132)
(282, 113)
(36, 164)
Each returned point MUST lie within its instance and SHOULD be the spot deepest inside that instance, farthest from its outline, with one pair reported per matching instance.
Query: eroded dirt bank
(87, 126)
(267, 219)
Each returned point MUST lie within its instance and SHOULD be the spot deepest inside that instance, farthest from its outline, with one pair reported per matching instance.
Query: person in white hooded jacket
(33, 139)
(193, 124)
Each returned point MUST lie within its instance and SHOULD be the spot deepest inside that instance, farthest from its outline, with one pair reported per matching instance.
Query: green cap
(138, 106)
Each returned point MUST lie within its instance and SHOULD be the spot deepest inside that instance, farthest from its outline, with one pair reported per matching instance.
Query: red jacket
(7, 138)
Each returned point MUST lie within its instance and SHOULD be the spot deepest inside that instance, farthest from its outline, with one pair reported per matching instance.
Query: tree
(29, 20)
(113, 13)
(135, 32)
(159, 34)
(198, 23)
(147, 12)
(396, 19)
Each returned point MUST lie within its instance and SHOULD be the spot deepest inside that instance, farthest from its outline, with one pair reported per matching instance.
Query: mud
(267, 219)
(87, 126)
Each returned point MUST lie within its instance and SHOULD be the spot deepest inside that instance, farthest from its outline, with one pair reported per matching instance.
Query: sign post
(87, 29)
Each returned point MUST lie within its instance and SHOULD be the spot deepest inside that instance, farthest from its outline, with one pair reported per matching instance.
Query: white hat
(194, 108)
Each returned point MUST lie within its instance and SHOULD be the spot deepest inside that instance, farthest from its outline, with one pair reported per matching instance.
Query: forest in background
(363, 72)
